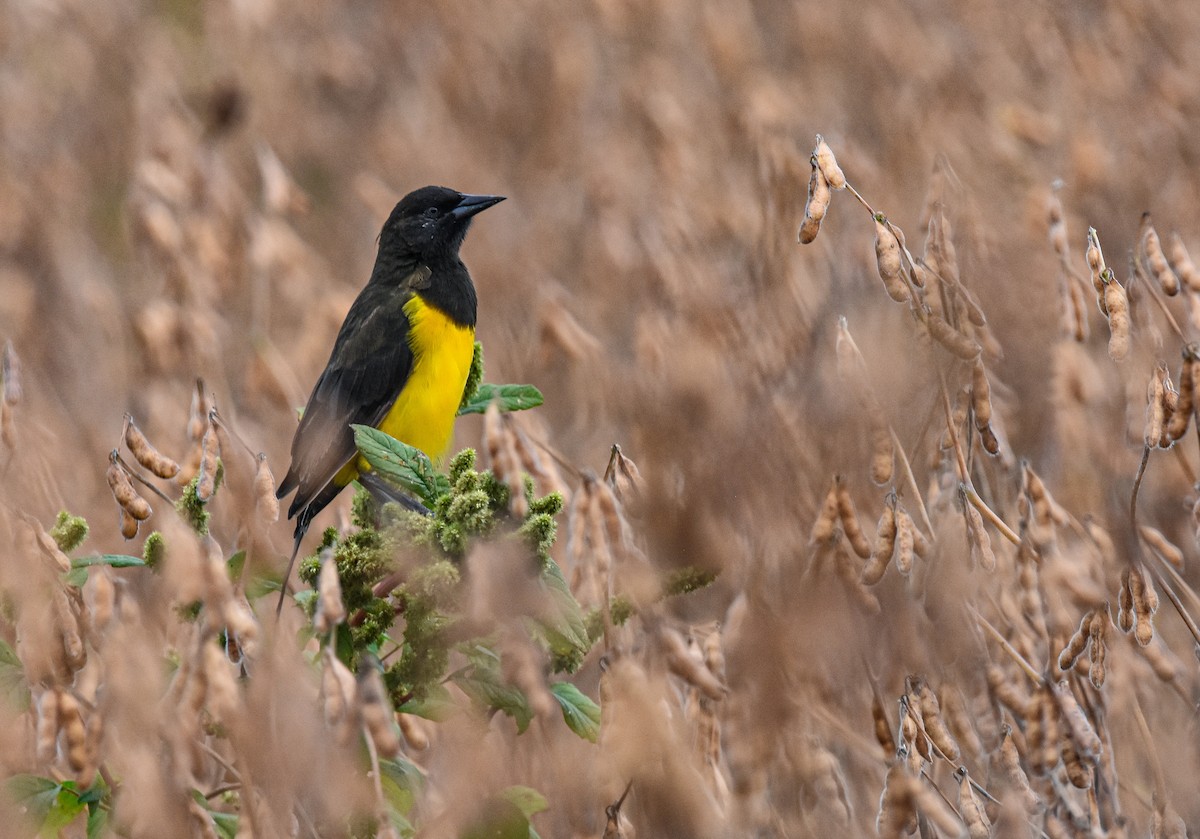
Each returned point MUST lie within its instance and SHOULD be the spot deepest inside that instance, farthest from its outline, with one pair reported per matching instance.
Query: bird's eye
(432, 212)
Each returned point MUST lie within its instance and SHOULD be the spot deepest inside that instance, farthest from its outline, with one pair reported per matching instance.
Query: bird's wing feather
(370, 362)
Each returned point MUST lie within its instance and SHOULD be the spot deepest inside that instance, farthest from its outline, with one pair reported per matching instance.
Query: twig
(1137, 484)
(1029, 669)
(984, 510)
(906, 468)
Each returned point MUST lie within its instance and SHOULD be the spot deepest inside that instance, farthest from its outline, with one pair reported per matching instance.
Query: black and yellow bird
(401, 358)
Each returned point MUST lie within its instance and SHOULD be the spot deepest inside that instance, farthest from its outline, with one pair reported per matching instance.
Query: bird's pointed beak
(469, 205)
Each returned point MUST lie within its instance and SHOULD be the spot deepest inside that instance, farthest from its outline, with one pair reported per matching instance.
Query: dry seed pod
(264, 489)
(1098, 630)
(198, 413)
(1183, 265)
(883, 453)
(1125, 615)
(1156, 414)
(70, 721)
(854, 534)
(330, 609)
(1010, 764)
(885, 544)
(1005, 690)
(825, 527)
(211, 449)
(1145, 604)
(145, 453)
(976, 820)
(1078, 773)
(981, 542)
(960, 721)
(1058, 228)
(47, 724)
(122, 489)
(129, 525)
(1157, 259)
(1177, 425)
(905, 542)
(920, 543)
(1080, 728)
(883, 729)
(934, 807)
(376, 710)
(1116, 303)
(957, 343)
(339, 692)
(1095, 261)
(809, 228)
(981, 395)
(828, 164)
(413, 731)
(1077, 643)
(935, 725)
(1162, 546)
(68, 627)
(682, 664)
(819, 194)
(888, 261)
(897, 815)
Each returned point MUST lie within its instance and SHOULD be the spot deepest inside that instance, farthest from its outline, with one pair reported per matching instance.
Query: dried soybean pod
(883, 454)
(1095, 261)
(264, 489)
(981, 395)
(828, 164)
(1125, 603)
(934, 723)
(376, 710)
(47, 724)
(146, 454)
(883, 729)
(1161, 545)
(1077, 643)
(70, 721)
(1116, 303)
(129, 525)
(809, 228)
(845, 507)
(1145, 604)
(956, 342)
(1098, 630)
(905, 542)
(819, 194)
(888, 261)
(1152, 430)
(987, 439)
(885, 544)
(1177, 425)
(1157, 259)
(1183, 265)
(981, 542)
(1058, 228)
(198, 413)
(825, 526)
(123, 491)
(976, 820)
(206, 485)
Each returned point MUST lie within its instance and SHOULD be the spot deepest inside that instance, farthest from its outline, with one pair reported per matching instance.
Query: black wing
(370, 362)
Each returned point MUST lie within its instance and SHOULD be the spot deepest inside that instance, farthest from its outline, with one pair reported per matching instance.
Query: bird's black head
(430, 223)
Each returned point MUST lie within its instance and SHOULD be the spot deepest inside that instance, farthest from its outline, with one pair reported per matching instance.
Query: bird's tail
(301, 529)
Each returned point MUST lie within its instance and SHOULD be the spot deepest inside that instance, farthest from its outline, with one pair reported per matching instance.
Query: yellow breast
(423, 415)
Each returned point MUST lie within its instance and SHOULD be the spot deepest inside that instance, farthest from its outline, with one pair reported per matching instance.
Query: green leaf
(581, 714)
(507, 398)
(97, 824)
(528, 800)
(401, 782)
(235, 565)
(111, 560)
(499, 819)
(51, 805)
(437, 705)
(76, 577)
(400, 463)
(563, 625)
(483, 684)
(12, 677)
(226, 824)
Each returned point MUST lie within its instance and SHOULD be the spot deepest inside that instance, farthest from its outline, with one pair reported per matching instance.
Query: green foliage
(427, 598)
(581, 714)
(506, 397)
(13, 689)
(192, 508)
(51, 805)
(483, 682)
(397, 462)
(69, 531)
(507, 815)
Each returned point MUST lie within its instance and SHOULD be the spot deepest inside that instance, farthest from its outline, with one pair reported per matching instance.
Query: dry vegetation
(190, 190)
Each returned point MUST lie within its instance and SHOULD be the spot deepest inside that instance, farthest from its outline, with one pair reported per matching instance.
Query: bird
(401, 358)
